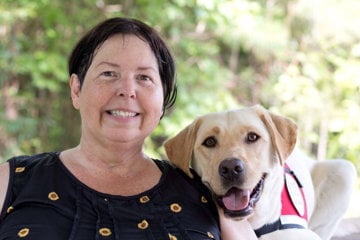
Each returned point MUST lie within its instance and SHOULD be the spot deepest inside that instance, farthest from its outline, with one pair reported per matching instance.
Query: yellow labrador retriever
(246, 158)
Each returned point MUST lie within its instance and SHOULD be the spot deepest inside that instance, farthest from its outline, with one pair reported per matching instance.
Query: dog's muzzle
(237, 202)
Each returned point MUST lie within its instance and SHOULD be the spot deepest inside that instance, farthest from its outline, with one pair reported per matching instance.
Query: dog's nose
(232, 169)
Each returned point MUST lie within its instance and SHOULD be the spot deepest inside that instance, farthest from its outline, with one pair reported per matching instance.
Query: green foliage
(299, 58)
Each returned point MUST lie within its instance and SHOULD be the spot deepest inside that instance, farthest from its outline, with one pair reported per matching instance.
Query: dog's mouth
(240, 202)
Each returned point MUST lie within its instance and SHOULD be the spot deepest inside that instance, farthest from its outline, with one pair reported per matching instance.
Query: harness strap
(277, 225)
(291, 172)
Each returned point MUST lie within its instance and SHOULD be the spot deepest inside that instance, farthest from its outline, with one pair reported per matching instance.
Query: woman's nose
(126, 88)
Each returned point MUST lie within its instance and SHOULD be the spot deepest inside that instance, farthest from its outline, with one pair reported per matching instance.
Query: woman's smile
(120, 113)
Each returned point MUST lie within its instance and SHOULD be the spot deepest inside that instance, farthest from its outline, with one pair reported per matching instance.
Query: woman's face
(122, 96)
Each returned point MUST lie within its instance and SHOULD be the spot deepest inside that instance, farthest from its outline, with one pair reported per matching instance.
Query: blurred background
(299, 58)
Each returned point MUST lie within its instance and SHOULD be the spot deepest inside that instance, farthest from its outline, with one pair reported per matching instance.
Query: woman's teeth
(122, 113)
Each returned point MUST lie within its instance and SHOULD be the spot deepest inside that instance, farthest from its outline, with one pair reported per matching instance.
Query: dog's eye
(252, 137)
(209, 142)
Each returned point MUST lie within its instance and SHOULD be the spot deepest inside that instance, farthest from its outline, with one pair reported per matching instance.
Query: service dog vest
(294, 212)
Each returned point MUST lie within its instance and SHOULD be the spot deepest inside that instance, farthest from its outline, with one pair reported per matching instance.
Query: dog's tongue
(236, 199)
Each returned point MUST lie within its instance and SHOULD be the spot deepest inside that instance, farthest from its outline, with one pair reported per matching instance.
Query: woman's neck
(125, 175)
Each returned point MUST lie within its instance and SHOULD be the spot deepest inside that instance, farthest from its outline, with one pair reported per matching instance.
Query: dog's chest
(294, 213)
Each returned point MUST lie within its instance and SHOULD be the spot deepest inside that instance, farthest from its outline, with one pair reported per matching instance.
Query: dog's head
(234, 153)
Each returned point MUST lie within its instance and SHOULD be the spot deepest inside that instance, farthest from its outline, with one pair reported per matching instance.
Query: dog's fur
(261, 142)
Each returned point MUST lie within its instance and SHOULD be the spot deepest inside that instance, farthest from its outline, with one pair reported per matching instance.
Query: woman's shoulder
(23, 167)
(175, 177)
(17, 171)
(22, 162)
(168, 168)
(35, 157)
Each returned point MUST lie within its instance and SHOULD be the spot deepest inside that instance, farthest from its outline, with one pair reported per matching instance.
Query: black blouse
(45, 201)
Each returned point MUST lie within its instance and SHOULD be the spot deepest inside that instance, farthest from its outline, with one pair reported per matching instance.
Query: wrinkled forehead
(232, 123)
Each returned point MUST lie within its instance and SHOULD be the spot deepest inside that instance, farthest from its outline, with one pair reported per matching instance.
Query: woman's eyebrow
(141, 68)
(107, 63)
(148, 68)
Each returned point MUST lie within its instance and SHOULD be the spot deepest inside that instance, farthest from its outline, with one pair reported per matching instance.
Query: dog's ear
(283, 132)
(179, 149)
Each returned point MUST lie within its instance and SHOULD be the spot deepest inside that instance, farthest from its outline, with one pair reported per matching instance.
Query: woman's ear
(75, 90)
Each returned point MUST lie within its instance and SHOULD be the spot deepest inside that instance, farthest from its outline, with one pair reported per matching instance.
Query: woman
(122, 79)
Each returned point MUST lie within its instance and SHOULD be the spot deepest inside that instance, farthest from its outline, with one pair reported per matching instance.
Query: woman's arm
(4, 181)
(235, 230)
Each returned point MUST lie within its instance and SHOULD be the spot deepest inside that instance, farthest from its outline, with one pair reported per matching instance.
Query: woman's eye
(108, 74)
(144, 78)
(252, 137)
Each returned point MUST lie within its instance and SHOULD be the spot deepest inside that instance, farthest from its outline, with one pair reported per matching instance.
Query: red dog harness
(294, 210)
